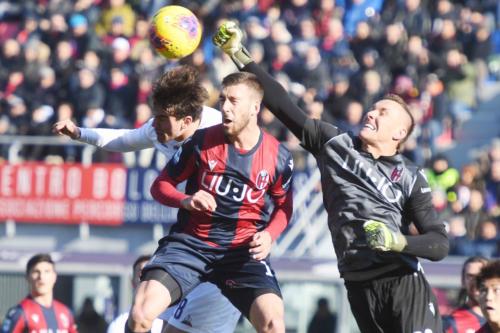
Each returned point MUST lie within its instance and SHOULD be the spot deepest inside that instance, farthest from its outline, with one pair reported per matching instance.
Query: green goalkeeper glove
(379, 237)
(229, 39)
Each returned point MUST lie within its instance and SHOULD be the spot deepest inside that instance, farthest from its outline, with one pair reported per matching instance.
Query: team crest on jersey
(262, 179)
(396, 173)
(211, 164)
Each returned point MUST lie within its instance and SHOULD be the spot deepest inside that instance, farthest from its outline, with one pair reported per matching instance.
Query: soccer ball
(175, 32)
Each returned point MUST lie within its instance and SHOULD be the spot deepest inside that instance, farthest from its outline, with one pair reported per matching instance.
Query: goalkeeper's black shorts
(400, 302)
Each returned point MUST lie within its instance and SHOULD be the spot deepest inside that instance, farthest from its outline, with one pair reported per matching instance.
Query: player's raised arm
(119, 140)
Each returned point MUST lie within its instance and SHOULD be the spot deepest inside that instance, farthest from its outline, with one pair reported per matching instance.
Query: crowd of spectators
(90, 60)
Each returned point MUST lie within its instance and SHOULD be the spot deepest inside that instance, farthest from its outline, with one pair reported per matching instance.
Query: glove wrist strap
(241, 58)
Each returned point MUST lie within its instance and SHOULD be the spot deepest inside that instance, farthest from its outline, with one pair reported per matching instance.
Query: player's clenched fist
(66, 127)
(201, 201)
(229, 39)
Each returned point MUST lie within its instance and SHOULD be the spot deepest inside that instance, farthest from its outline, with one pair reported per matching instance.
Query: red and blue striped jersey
(251, 188)
(30, 317)
(463, 320)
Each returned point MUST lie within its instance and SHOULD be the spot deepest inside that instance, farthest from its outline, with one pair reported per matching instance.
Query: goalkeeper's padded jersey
(125, 140)
(357, 188)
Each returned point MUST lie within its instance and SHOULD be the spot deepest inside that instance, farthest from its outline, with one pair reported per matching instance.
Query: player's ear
(186, 121)
(400, 134)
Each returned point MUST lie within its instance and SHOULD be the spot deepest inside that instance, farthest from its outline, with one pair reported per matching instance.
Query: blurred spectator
(294, 12)
(339, 96)
(117, 11)
(315, 72)
(306, 38)
(467, 317)
(89, 321)
(88, 93)
(394, 48)
(460, 80)
(470, 178)
(360, 10)
(474, 213)
(120, 56)
(362, 40)
(64, 66)
(139, 41)
(326, 12)
(81, 37)
(460, 244)
(121, 98)
(54, 30)
(333, 43)
(351, 121)
(487, 240)
(11, 58)
(493, 189)
(323, 320)
(441, 175)
(371, 89)
(29, 30)
(414, 17)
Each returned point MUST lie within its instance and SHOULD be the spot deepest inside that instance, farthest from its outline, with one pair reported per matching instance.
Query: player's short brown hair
(404, 105)
(36, 259)
(179, 93)
(141, 259)
(488, 272)
(248, 79)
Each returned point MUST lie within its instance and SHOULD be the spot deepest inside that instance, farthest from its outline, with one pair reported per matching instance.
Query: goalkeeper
(372, 194)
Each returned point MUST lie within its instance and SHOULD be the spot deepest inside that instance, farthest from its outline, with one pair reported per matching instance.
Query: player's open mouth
(370, 127)
(227, 121)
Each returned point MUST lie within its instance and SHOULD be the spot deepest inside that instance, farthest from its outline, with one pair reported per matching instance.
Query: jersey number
(180, 308)
(269, 272)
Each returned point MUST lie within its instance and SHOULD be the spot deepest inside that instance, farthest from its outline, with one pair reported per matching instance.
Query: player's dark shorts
(189, 261)
(396, 302)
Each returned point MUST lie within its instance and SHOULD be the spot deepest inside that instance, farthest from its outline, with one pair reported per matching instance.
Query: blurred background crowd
(90, 60)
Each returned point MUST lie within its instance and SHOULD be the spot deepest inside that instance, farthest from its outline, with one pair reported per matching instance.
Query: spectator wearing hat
(117, 30)
(82, 38)
(118, 11)
(120, 56)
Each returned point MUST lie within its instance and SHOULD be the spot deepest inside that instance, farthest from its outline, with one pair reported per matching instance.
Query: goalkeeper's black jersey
(357, 188)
